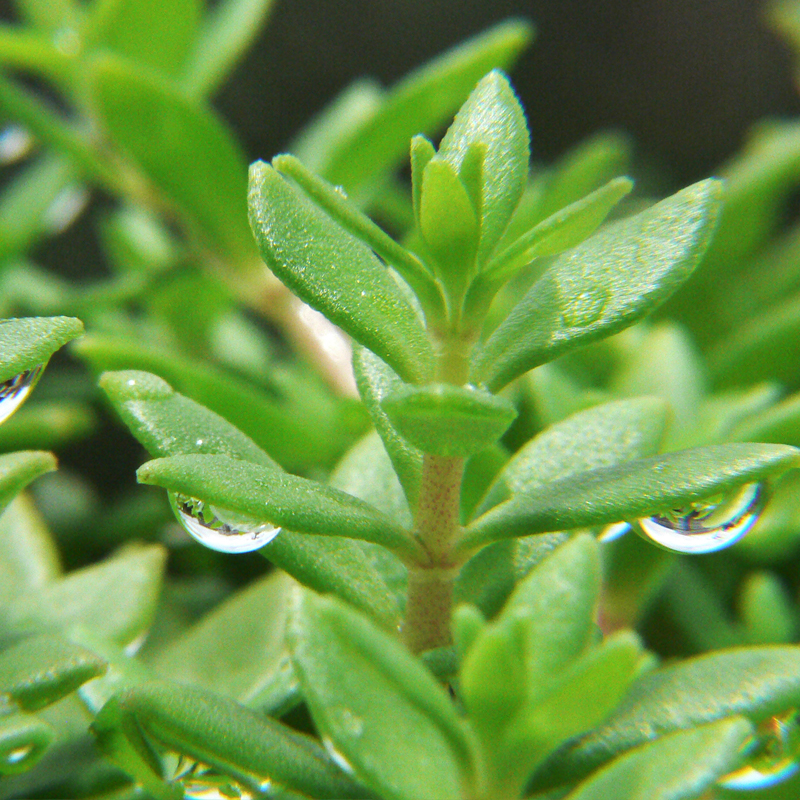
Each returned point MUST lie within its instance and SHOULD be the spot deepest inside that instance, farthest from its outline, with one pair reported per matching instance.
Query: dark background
(686, 78)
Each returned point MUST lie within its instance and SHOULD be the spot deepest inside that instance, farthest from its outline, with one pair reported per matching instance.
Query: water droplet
(15, 143)
(14, 391)
(219, 529)
(18, 754)
(613, 532)
(772, 755)
(708, 525)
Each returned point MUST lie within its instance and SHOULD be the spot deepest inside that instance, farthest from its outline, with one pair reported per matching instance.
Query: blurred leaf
(767, 610)
(778, 423)
(29, 342)
(755, 682)
(681, 765)
(266, 495)
(335, 273)
(447, 420)
(227, 30)
(184, 149)
(48, 14)
(227, 736)
(115, 599)
(28, 555)
(17, 470)
(603, 285)
(23, 741)
(421, 103)
(631, 490)
(40, 670)
(154, 33)
(50, 425)
(380, 707)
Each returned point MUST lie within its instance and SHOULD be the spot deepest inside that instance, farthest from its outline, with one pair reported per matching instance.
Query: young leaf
(184, 149)
(422, 151)
(283, 500)
(23, 741)
(40, 670)
(756, 682)
(681, 765)
(115, 599)
(422, 102)
(335, 273)
(492, 118)
(603, 285)
(29, 342)
(17, 470)
(229, 737)
(154, 33)
(632, 490)
(380, 708)
(226, 30)
(448, 420)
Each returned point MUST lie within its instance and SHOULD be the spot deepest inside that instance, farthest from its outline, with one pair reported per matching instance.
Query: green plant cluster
(450, 615)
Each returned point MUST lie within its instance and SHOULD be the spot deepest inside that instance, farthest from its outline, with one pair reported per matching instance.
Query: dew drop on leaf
(18, 754)
(14, 391)
(611, 533)
(219, 529)
(772, 753)
(708, 525)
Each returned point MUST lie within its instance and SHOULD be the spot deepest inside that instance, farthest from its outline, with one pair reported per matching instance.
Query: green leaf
(17, 470)
(767, 610)
(560, 231)
(47, 425)
(603, 285)
(184, 149)
(632, 490)
(448, 420)
(422, 151)
(375, 381)
(40, 670)
(28, 554)
(422, 102)
(755, 682)
(115, 599)
(23, 741)
(283, 500)
(238, 648)
(379, 706)
(778, 423)
(227, 30)
(154, 33)
(601, 436)
(29, 342)
(448, 225)
(335, 273)
(682, 765)
(362, 227)
(491, 118)
(229, 737)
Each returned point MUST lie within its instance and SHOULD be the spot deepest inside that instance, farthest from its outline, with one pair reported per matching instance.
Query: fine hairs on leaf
(476, 481)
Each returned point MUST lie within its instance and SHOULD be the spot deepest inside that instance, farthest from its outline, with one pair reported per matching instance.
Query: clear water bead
(708, 525)
(773, 754)
(14, 391)
(219, 529)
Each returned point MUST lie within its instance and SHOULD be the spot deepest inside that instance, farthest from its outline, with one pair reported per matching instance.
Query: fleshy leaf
(448, 420)
(23, 741)
(29, 342)
(379, 706)
(335, 273)
(632, 490)
(283, 500)
(603, 285)
(17, 470)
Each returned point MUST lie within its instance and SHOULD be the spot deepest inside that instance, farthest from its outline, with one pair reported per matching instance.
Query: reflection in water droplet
(14, 391)
(772, 755)
(15, 143)
(219, 529)
(201, 782)
(708, 525)
(18, 754)
(613, 532)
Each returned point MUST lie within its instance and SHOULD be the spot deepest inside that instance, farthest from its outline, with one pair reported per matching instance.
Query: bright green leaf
(17, 470)
(632, 490)
(603, 285)
(448, 420)
(40, 670)
(767, 610)
(29, 342)
(23, 741)
(280, 499)
(778, 423)
(380, 707)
